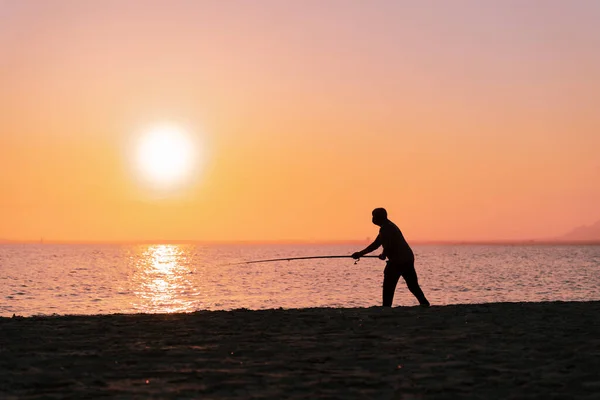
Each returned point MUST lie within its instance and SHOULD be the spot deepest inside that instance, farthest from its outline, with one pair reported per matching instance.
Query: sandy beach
(503, 350)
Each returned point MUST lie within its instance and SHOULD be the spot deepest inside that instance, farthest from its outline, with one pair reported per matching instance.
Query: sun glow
(167, 157)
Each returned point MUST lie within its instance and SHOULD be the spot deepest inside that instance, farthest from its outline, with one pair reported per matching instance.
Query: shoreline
(284, 309)
(489, 350)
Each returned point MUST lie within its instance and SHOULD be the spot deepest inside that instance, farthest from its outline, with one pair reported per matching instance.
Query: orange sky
(467, 120)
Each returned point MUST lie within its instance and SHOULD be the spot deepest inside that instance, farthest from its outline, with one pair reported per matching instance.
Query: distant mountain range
(589, 233)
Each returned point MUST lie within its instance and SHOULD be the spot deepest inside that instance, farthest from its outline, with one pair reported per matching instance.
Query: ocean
(37, 279)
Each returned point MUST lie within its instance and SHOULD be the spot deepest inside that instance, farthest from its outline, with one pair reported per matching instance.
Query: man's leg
(410, 277)
(391, 274)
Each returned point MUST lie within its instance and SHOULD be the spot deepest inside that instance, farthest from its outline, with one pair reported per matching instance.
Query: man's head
(379, 216)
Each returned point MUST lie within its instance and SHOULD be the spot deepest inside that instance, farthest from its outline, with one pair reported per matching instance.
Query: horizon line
(302, 242)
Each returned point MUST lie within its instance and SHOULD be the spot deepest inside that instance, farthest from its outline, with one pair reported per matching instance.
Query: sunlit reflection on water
(162, 280)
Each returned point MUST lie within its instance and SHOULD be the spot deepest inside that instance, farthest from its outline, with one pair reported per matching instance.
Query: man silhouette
(401, 260)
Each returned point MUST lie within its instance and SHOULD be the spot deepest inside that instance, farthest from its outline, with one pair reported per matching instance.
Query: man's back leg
(410, 277)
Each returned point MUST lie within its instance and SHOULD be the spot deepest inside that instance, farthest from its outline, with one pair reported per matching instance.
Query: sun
(167, 156)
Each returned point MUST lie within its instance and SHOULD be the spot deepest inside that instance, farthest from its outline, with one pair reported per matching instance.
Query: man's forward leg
(391, 276)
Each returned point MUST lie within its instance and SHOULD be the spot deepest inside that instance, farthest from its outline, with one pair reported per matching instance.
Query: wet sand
(487, 351)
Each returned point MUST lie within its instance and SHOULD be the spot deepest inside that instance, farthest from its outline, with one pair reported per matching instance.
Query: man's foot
(425, 305)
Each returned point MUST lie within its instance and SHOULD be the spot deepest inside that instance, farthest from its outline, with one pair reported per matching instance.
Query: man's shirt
(394, 245)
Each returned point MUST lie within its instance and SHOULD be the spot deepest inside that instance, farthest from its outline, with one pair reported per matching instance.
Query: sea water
(106, 279)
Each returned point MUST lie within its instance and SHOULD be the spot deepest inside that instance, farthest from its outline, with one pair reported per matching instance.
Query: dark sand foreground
(489, 351)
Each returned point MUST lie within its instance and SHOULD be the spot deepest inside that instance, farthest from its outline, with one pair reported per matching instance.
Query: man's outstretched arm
(373, 246)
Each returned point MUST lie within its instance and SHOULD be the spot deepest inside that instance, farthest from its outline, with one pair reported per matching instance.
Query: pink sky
(467, 120)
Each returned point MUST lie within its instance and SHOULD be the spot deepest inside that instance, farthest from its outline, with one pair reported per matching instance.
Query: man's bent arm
(373, 246)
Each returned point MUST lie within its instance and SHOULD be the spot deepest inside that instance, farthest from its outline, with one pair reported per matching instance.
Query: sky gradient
(467, 120)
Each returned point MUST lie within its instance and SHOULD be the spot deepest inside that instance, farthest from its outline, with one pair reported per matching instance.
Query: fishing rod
(296, 258)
